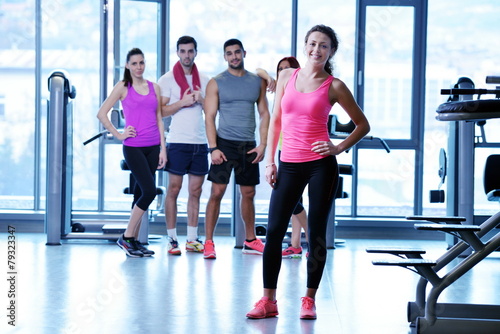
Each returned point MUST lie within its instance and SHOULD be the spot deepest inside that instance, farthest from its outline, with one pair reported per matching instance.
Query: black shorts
(246, 173)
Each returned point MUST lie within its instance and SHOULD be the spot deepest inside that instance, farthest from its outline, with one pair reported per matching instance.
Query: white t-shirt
(188, 124)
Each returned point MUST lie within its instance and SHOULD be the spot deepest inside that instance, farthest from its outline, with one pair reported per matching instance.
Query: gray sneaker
(129, 246)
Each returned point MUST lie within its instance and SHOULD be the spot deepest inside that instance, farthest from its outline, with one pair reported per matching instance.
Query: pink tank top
(304, 119)
(140, 112)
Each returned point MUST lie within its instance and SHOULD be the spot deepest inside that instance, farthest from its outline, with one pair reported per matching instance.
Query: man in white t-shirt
(183, 92)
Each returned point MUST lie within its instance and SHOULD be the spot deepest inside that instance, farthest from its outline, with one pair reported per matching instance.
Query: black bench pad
(448, 227)
(405, 262)
(395, 250)
(435, 219)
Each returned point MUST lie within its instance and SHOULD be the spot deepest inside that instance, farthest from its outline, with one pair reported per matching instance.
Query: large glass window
(460, 44)
(135, 23)
(386, 187)
(341, 17)
(211, 23)
(388, 70)
(17, 104)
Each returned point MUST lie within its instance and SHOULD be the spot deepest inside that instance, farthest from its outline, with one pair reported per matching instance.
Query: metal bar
(38, 105)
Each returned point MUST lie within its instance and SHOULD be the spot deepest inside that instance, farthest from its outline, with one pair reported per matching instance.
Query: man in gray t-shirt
(232, 145)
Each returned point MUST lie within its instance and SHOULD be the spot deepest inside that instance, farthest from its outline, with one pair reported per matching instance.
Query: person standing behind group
(183, 90)
(143, 141)
(304, 98)
(232, 145)
(299, 216)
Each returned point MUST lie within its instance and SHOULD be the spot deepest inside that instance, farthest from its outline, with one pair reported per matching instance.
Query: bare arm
(159, 119)
(119, 92)
(341, 94)
(263, 109)
(271, 83)
(187, 100)
(211, 107)
(275, 128)
(347, 102)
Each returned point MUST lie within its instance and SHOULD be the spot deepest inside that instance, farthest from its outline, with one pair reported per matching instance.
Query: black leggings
(322, 176)
(143, 162)
(299, 207)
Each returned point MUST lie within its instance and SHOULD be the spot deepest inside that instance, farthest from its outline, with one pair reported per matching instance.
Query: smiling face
(318, 47)
(234, 55)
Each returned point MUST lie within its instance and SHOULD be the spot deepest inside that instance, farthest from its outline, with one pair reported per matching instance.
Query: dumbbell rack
(426, 314)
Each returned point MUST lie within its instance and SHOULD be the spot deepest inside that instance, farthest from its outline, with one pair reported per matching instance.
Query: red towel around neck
(180, 77)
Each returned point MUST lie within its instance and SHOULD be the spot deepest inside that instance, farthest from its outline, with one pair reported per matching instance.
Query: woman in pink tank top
(143, 142)
(304, 98)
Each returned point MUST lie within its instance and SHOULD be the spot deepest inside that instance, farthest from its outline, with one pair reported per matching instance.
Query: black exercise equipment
(437, 196)
(474, 244)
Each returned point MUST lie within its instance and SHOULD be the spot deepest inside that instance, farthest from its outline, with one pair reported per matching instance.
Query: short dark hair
(233, 41)
(187, 40)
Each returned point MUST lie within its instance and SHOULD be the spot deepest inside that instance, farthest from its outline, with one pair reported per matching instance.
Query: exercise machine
(59, 223)
(59, 156)
(474, 244)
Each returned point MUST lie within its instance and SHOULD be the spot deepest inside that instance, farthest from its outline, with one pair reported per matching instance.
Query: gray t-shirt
(237, 98)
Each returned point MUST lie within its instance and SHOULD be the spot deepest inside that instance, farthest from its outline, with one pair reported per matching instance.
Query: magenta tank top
(140, 112)
(304, 119)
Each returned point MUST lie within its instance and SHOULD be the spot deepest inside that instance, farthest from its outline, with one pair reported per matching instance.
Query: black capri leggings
(322, 176)
(143, 162)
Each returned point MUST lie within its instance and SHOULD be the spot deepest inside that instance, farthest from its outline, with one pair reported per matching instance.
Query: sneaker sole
(269, 315)
(175, 253)
(251, 251)
(209, 257)
(296, 256)
(194, 250)
(127, 252)
(308, 317)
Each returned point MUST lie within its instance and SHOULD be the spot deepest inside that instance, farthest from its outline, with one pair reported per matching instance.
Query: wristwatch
(213, 149)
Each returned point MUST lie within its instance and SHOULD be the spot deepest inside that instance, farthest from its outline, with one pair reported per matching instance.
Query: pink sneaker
(308, 310)
(292, 253)
(264, 308)
(254, 247)
(209, 251)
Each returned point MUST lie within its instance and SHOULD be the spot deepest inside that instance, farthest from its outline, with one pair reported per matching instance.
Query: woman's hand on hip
(324, 148)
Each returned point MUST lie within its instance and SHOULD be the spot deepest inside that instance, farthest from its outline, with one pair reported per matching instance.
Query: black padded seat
(123, 165)
(491, 177)
(472, 110)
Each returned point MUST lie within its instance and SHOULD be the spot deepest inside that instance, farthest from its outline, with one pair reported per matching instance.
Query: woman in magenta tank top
(304, 98)
(143, 141)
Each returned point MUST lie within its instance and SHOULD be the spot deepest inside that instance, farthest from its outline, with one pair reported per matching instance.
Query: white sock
(192, 233)
(172, 233)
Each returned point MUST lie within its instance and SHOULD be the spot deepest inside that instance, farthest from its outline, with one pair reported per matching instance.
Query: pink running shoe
(308, 310)
(209, 251)
(254, 247)
(264, 308)
(292, 253)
